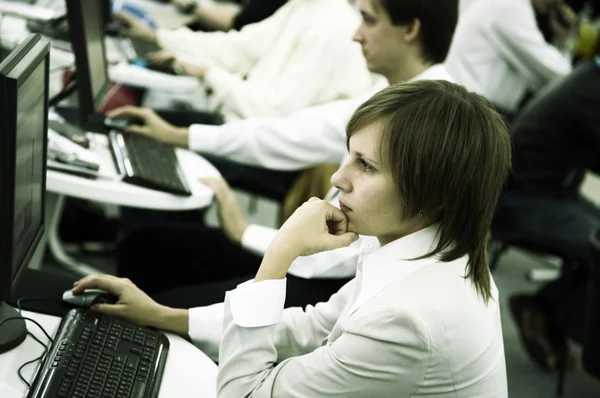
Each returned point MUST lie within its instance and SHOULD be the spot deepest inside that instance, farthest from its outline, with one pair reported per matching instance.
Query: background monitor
(23, 145)
(86, 29)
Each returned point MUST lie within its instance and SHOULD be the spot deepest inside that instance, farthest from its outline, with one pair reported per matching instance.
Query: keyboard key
(138, 390)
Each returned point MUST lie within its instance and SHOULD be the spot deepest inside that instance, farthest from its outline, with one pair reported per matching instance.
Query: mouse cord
(19, 371)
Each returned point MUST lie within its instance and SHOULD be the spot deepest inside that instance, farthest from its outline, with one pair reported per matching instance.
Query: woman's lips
(344, 208)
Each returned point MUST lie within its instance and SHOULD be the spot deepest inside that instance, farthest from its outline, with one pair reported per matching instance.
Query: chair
(591, 345)
(570, 260)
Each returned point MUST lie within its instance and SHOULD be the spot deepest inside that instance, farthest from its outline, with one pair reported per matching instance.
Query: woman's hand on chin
(316, 226)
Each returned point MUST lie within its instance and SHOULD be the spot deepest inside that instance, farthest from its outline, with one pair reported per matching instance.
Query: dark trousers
(564, 223)
(186, 266)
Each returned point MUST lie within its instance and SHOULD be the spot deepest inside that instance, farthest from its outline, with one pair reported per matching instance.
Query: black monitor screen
(29, 159)
(86, 27)
(23, 144)
(95, 46)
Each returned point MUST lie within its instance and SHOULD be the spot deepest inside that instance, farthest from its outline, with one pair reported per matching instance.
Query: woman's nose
(339, 180)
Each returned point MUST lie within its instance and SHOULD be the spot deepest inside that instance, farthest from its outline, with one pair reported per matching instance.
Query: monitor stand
(12, 332)
(95, 124)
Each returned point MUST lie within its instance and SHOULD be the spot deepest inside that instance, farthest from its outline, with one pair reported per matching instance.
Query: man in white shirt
(302, 55)
(405, 41)
(499, 51)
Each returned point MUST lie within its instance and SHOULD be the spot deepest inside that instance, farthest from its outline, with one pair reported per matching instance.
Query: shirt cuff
(203, 138)
(258, 304)
(205, 328)
(257, 238)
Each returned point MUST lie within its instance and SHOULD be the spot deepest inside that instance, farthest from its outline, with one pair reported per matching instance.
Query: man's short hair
(438, 22)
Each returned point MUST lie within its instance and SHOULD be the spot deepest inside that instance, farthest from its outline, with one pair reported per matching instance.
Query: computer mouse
(121, 123)
(89, 297)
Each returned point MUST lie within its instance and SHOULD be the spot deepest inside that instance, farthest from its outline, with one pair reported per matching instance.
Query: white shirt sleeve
(258, 304)
(205, 328)
(339, 263)
(300, 331)
(257, 238)
(390, 358)
(309, 137)
(526, 49)
(308, 68)
(203, 48)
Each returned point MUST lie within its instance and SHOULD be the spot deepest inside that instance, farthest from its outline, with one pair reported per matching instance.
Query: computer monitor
(23, 146)
(86, 28)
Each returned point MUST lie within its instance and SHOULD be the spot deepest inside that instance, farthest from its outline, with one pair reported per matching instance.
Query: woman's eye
(366, 166)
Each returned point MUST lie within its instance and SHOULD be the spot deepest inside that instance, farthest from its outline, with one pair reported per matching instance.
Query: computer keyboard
(96, 356)
(148, 163)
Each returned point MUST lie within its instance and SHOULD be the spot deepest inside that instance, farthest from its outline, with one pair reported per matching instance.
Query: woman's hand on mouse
(316, 226)
(151, 125)
(132, 304)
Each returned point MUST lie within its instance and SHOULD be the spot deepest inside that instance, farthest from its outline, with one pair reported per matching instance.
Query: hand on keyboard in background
(134, 27)
(151, 125)
(132, 304)
(230, 213)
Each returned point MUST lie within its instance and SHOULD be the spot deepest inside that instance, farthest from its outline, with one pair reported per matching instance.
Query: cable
(32, 361)
(14, 318)
(67, 91)
(41, 357)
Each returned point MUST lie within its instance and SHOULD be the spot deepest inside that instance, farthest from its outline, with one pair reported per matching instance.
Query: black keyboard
(96, 356)
(148, 163)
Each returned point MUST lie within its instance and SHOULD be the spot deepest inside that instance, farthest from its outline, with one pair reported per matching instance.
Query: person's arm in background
(232, 51)
(524, 46)
(310, 66)
(307, 138)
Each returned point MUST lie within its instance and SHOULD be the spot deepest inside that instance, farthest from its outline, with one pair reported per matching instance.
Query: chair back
(591, 347)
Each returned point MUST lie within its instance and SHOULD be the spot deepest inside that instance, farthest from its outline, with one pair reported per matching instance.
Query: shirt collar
(434, 72)
(379, 267)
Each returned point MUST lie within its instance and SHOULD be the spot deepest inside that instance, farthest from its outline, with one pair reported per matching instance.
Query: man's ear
(413, 29)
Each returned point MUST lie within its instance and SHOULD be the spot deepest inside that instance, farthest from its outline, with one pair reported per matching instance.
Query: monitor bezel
(88, 105)
(14, 71)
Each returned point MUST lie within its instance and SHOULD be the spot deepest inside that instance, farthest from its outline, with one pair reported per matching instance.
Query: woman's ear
(413, 30)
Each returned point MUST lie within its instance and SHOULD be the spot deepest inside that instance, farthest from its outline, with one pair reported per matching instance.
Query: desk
(111, 190)
(188, 372)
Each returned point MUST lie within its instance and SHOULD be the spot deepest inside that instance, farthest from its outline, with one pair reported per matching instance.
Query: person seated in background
(209, 17)
(403, 42)
(556, 141)
(422, 318)
(499, 52)
(303, 55)
(400, 40)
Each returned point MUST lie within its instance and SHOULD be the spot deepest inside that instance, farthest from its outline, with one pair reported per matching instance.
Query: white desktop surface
(188, 372)
(108, 188)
